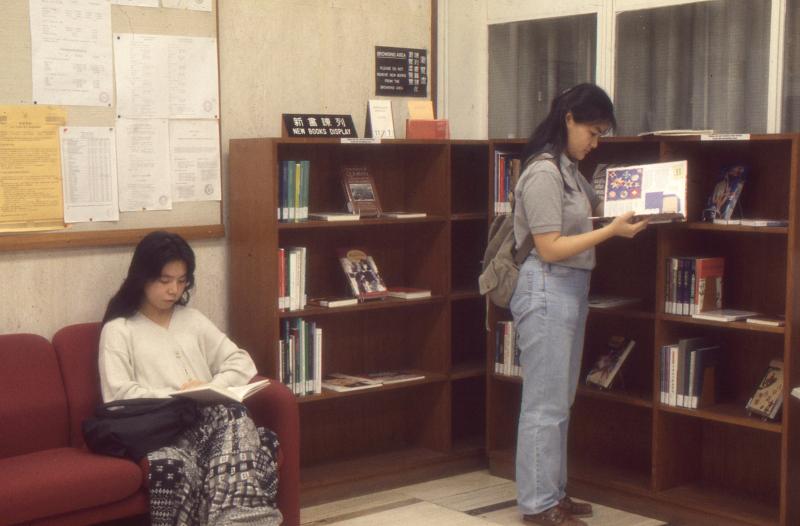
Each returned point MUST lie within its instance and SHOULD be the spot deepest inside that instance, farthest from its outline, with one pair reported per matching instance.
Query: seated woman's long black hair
(154, 251)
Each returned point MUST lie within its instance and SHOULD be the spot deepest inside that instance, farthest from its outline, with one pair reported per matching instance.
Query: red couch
(48, 475)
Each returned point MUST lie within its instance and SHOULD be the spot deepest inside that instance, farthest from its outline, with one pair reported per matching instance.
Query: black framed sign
(401, 72)
(314, 125)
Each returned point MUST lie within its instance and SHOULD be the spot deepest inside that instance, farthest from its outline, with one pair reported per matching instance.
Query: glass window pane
(701, 66)
(532, 61)
(791, 69)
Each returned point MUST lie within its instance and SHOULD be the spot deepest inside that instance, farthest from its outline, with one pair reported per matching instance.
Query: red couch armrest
(275, 407)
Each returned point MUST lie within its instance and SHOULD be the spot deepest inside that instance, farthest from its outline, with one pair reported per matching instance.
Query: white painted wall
(276, 56)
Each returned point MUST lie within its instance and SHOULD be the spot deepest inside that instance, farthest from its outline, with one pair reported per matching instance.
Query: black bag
(132, 428)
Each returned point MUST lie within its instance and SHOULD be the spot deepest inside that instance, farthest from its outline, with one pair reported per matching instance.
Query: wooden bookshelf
(717, 460)
(398, 429)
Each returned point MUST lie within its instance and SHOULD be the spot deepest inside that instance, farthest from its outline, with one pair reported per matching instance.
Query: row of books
(506, 354)
(292, 278)
(687, 373)
(293, 181)
(300, 356)
(693, 284)
(506, 174)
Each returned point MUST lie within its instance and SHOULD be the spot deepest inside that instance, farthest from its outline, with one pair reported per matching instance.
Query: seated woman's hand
(192, 383)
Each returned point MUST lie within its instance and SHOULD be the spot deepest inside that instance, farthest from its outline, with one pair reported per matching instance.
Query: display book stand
(349, 440)
(715, 460)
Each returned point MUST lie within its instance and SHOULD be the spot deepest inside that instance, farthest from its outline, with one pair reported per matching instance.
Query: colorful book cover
(607, 366)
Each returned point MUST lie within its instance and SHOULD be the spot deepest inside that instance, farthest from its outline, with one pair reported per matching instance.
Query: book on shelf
(771, 321)
(507, 168)
(506, 358)
(675, 133)
(300, 356)
(393, 377)
(401, 214)
(293, 186)
(292, 278)
(725, 315)
(764, 222)
(210, 393)
(767, 398)
(333, 301)
(361, 192)
(656, 191)
(693, 284)
(408, 293)
(345, 382)
(607, 366)
(334, 216)
(362, 274)
(688, 373)
(724, 198)
(604, 301)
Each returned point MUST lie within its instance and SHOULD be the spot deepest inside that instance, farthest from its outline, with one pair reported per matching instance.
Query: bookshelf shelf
(363, 222)
(737, 228)
(616, 395)
(468, 370)
(731, 325)
(716, 461)
(458, 295)
(733, 414)
(391, 431)
(386, 303)
(326, 395)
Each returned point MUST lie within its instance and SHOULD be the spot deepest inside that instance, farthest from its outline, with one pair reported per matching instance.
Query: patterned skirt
(223, 470)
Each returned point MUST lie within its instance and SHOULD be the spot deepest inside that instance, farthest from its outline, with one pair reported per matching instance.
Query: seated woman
(222, 470)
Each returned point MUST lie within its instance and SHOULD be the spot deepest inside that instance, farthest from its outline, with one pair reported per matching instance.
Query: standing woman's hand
(622, 226)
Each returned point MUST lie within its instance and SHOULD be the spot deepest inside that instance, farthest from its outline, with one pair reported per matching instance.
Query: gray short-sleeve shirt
(544, 205)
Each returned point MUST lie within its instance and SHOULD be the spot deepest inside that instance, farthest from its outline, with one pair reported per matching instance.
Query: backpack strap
(521, 253)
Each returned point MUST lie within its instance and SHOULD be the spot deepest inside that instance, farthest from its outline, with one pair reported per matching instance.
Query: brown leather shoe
(576, 509)
(554, 516)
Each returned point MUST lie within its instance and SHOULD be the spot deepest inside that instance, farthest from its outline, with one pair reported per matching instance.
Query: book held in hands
(210, 393)
(607, 366)
(656, 191)
(362, 274)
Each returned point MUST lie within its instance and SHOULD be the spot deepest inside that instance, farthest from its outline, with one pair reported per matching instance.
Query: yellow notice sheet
(30, 168)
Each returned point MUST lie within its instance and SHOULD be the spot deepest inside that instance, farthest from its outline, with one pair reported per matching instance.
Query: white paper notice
(141, 3)
(89, 174)
(71, 52)
(142, 72)
(193, 84)
(166, 76)
(194, 158)
(196, 5)
(143, 164)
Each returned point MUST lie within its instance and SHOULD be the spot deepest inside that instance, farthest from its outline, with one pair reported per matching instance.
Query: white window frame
(504, 11)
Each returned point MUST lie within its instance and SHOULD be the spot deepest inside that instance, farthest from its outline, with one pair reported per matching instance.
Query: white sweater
(141, 359)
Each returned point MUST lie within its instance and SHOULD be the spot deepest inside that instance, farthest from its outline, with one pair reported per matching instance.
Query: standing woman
(554, 203)
(222, 470)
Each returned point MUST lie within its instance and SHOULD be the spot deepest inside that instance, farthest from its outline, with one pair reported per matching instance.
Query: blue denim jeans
(549, 306)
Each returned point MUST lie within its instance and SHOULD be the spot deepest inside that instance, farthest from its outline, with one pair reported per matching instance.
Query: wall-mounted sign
(306, 125)
(401, 72)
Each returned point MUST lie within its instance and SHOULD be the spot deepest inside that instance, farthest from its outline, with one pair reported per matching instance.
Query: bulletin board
(194, 219)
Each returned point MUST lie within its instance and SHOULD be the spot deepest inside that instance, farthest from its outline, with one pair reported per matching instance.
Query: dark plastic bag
(132, 428)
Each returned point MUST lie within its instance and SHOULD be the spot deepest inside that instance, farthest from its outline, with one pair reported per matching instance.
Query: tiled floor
(470, 499)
